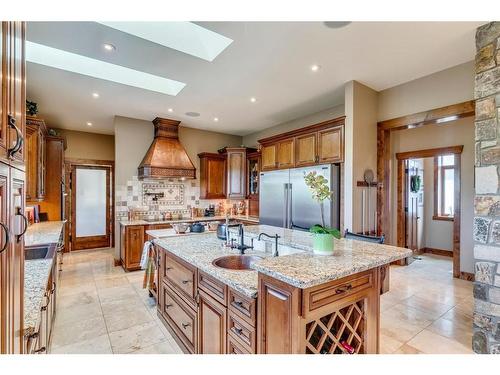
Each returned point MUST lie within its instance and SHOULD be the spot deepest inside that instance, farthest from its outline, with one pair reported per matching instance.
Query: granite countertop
(302, 269)
(36, 275)
(305, 269)
(37, 271)
(163, 233)
(43, 233)
(189, 220)
(202, 250)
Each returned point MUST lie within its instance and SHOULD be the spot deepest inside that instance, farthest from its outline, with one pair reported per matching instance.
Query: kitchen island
(297, 302)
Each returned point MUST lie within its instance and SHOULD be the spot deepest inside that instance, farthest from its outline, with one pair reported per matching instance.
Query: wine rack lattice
(330, 333)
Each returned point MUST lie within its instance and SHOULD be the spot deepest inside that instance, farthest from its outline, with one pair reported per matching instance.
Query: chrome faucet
(275, 254)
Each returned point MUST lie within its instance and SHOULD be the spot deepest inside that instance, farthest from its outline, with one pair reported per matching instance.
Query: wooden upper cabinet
(236, 173)
(286, 154)
(16, 128)
(305, 150)
(331, 145)
(268, 159)
(212, 176)
(35, 158)
(322, 143)
(3, 85)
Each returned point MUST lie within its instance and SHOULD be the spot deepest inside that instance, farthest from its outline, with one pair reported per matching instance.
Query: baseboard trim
(431, 250)
(118, 262)
(467, 276)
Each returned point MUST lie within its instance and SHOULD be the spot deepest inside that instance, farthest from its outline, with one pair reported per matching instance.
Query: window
(444, 187)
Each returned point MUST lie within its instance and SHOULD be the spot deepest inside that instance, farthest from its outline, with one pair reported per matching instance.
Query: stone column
(486, 338)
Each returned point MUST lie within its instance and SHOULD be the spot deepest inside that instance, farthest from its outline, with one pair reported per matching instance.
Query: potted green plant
(322, 235)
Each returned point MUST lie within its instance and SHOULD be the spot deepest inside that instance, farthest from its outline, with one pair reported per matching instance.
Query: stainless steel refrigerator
(286, 201)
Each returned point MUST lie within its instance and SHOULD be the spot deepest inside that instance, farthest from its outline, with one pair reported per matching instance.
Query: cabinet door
(305, 153)
(18, 225)
(5, 290)
(268, 160)
(286, 157)
(236, 181)
(32, 160)
(212, 177)
(16, 91)
(330, 145)
(3, 87)
(134, 245)
(211, 326)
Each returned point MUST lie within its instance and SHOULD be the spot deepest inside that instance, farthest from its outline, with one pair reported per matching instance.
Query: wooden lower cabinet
(212, 325)
(132, 243)
(337, 317)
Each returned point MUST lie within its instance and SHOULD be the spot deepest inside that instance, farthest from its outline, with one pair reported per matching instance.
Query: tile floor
(101, 309)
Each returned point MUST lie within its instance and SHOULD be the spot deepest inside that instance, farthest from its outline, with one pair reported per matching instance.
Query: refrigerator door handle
(285, 206)
(289, 214)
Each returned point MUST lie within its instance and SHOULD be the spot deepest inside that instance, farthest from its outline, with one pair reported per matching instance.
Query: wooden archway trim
(429, 153)
(384, 131)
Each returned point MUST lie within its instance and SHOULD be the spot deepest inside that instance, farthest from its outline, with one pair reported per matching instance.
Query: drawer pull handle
(185, 325)
(343, 289)
(238, 331)
(168, 305)
(186, 281)
(41, 350)
(169, 268)
(238, 303)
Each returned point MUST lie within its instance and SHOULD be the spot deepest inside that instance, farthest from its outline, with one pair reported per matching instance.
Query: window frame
(439, 194)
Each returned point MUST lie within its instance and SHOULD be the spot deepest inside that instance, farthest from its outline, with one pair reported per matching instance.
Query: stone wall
(486, 338)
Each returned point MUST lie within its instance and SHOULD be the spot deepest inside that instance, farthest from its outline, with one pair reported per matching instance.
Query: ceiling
(267, 60)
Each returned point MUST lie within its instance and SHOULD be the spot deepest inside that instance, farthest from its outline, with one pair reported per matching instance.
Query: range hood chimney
(166, 157)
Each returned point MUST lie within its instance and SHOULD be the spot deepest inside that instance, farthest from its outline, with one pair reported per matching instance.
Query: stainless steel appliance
(286, 201)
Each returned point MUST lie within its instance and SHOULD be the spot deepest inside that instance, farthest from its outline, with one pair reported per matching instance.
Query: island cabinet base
(338, 317)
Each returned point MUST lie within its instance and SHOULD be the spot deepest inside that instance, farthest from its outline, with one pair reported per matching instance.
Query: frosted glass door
(91, 204)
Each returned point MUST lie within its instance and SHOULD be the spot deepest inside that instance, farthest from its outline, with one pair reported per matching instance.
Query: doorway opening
(428, 202)
(90, 204)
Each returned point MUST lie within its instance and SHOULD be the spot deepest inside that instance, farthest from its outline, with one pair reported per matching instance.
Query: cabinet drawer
(235, 347)
(242, 306)
(181, 276)
(181, 317)
(213, 287)
(242, 332)
(317, 297)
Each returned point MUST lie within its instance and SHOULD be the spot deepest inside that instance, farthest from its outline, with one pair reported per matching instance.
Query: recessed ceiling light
(336, 24)
(253, 100)
(170, 110)
(71, 62)
(109, 47)
(89, 123)
(95, 95)
(216, 119)
(186, 37)
(315, 67)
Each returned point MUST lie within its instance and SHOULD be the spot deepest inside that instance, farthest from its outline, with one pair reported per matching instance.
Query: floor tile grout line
(102, 312)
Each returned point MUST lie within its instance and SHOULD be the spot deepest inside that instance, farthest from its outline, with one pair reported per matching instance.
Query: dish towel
(145, 254)
(150, 269)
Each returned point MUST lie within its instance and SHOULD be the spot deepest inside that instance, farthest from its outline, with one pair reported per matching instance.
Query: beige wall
(450, 86)
(460, 132)
(250, 140)
(84, 145)
(438, 234)
(360, 152)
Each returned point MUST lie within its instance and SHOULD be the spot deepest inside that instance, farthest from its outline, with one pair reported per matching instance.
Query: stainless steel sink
(236, 262)
(39, 252)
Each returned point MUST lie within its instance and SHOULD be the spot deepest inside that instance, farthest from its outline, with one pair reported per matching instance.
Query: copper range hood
(166, 157)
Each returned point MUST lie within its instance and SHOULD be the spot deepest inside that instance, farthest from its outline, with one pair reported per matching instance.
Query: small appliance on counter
(210, 211)
(180, 228)
(197, 227)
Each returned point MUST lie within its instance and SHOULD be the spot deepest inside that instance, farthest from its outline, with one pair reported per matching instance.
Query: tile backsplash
(151, 198)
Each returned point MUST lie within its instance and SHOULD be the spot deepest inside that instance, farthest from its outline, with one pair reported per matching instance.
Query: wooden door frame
(401, 192)
(69, 163)
(384, 156)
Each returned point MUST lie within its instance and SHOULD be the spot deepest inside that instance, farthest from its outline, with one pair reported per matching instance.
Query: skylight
(56, 58)
(186, 37)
